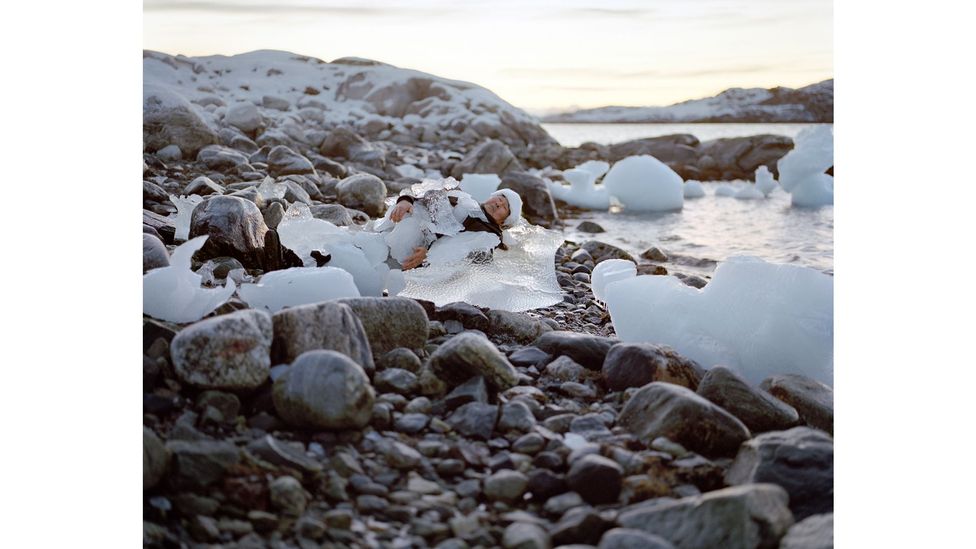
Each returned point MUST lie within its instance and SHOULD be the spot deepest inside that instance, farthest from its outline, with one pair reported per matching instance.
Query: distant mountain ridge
(813, 103)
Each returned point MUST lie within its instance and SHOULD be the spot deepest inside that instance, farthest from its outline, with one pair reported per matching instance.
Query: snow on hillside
(813, 103)
(291, 89)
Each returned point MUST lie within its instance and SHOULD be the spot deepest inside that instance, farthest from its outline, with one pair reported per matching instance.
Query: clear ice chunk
(269, 189)
(298, 286)
(174, 293)
(756, 317)
(451, 249)
(518, 279)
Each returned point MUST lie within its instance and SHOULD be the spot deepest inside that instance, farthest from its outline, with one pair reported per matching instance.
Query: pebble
(287, 495)
(595, 478)
(505, 485)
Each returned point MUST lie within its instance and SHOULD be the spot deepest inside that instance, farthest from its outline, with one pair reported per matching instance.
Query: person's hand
(416, 258)
(400, 211)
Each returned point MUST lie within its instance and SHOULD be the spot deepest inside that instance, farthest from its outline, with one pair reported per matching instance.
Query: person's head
(504, 206)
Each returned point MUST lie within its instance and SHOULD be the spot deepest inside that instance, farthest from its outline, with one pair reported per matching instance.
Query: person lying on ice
(501, 211)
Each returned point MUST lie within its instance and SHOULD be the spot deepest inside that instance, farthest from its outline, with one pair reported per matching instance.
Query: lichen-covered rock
(236, 229)
(666, 410)
(229, 351)
(759, 410)
(327, 325)
(364, 192)
(801, 460)
(637, 364)
(741, 517)
(467, 355)
(324, 390)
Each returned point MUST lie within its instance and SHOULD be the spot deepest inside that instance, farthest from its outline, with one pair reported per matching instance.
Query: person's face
(497, 208)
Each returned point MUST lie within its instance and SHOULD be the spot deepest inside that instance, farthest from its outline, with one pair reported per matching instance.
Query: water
(573, 135)
(715, 228)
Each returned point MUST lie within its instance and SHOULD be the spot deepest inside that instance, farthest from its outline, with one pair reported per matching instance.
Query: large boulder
(324, 390)
(738, 157)
(390, 322)
(327, 325)
(467, 355)
(801, 460)
(741, 517)
(666, 410)
(588, 350)
(538, 206)
(813, 400)
(489, 156)
(236, 229)
(759, 410)
(364, 192)
(229, 351)
(666, 148)
(284, 161)
(637, 364)
(169, 119)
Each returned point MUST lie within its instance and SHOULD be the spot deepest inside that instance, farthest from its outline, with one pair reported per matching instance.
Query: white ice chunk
(518, 279)
(749, 192)
(694, 189)
(405, 236)
(644, 183)
(725, 190)
(480, 185)
(350, 258)
(581, 192)
(184, 213)
(594, 167)
(269, 190)
(174, 294)
(372, 245)
(756, 317)
(298, 286)
(609, 271)
(302, 233)
(764, 180)
(450, 249)
(409, 170)
(395, 282)
(801, 171)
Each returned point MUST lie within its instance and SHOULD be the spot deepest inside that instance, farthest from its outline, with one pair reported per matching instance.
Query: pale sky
(538, 55)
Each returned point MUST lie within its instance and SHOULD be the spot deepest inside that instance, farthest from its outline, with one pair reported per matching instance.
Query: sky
(542, 56)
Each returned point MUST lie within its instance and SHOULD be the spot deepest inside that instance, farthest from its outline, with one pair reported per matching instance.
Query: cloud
(234, 7)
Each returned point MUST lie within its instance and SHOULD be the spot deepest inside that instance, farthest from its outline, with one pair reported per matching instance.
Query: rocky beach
(394, 422)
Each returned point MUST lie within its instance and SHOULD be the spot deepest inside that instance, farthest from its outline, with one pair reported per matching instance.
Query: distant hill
(813, 103)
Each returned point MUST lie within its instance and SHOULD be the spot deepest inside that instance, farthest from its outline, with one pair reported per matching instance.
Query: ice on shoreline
(756, 317)
(298, 286)
(644, 183)
(801, 171)
(175, 294)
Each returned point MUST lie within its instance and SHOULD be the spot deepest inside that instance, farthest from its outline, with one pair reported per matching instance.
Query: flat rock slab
(801, 460)
(813, 400)
(588, 350)
(665, 410)
(327, 325)
(759, 410)
(390, 322)
(741, 517)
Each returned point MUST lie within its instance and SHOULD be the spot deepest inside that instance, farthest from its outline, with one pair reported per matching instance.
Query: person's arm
(403, 207)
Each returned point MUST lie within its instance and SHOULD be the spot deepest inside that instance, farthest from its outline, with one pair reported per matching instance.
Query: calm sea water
(573, 135)
(713, 227)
